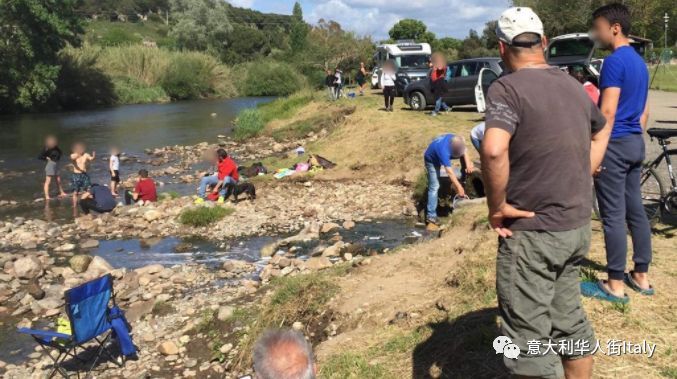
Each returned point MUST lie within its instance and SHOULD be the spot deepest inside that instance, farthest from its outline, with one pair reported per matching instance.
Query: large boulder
(328, 227)
(152, 215)
(150, 269)
(90, 244)
(66, 247)
(334, 250)
(79, 263)
(28, 267)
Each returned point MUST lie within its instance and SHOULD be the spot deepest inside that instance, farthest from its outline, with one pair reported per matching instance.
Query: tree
(473, 47)
(245, 44)
(448, 46)
(33, 32)
(200, 25)
(299, 29)
(411, 29)
(489, 38)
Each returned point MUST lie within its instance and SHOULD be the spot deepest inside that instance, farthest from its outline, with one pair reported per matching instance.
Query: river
(133, 128)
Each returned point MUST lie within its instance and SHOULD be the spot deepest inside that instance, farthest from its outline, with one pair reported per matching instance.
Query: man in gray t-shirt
(543, 138)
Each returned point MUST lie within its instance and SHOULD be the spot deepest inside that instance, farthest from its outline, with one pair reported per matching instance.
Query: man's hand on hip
(505, 211)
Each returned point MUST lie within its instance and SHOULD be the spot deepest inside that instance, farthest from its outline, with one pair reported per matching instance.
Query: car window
(454, 69)
(488, 77)
(467, 69)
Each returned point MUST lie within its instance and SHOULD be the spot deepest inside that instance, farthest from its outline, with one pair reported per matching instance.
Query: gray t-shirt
(551, 120)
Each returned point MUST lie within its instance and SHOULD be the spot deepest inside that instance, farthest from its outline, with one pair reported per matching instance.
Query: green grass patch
(169, 195)
(203, 216)
(299, 298)
(249, 124)
(131, 91)
(285, 107)
(352, 365)
(106, 33)
(588, 275)
(665, 79)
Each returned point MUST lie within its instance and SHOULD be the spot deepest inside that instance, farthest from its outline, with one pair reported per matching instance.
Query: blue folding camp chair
(89, 316)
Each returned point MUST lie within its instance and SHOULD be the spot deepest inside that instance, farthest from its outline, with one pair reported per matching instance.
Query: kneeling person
(99, 199)
(144, 191)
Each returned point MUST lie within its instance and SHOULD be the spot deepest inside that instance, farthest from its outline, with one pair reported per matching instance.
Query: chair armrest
(45, 335)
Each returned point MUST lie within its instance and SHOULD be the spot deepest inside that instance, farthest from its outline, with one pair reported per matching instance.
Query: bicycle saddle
(662, 132)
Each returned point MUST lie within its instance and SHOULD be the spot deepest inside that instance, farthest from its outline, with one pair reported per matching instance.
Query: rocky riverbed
(41, 259)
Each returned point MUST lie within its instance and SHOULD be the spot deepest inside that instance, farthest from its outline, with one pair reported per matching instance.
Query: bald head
(283, 354)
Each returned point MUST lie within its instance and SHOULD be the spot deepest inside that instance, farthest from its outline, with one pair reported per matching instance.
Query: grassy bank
(665, 77)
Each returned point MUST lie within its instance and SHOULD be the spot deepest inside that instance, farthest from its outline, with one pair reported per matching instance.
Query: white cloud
(242, 3)
(375, 17)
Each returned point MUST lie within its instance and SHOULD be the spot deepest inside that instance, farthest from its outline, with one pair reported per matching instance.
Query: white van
(411, 58)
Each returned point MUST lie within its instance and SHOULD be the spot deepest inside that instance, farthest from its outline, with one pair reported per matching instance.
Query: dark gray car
(460, 90)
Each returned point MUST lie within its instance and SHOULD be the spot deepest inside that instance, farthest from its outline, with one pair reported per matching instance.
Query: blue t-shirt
(103, 198)
(439, 151)
(626, 70)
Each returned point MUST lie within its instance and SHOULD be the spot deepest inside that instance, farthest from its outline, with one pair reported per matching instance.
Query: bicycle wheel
(653, 192)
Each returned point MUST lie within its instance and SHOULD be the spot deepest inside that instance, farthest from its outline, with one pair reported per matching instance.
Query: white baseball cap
(518, 20)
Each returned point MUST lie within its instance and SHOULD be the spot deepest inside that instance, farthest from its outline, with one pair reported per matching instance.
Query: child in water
(52, 154)
(114, 167)
(80, 179)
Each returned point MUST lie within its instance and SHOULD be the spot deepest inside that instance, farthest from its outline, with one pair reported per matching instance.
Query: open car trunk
(569, 49)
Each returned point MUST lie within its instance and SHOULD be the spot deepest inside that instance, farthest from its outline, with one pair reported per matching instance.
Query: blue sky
(375, 17)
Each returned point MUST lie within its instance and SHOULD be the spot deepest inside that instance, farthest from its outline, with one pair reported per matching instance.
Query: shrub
(270, 79)
(249, 123)
(131, 91)
(188, 76)
(148, 66)
(203, 216)
(118, 37)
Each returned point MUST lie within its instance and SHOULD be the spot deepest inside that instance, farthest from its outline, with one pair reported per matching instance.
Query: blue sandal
(598, 291)
(630, 282)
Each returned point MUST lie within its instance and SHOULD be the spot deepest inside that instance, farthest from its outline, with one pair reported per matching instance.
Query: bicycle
(658, 199)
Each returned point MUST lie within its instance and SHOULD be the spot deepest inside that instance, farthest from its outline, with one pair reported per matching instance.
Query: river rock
(98, 266)
(150, 269)
(349, 224)
(65, 248)
(334, 250)
(80, 263)
(152, 215)
(27, 267)
(237, 267)
(35, 290)
(168, 348)
(225, 349)
(329, 227)
(225, 312)
(90, 244)
(318, 263)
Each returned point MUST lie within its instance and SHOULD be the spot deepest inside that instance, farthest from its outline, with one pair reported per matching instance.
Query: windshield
(570, 47)
(412, 61)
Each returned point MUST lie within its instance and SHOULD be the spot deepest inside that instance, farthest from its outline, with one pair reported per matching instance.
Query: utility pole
(666, 18)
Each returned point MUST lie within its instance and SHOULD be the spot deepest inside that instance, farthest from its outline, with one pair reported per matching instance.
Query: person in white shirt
(477, 135)
(338, 83)
(114, 167)
(388, 77)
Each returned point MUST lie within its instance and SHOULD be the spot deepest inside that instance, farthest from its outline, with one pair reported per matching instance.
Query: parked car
(469, 82)
(375, 77)
(573, 52)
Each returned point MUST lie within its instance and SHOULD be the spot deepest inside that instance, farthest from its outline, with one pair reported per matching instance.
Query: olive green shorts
(538, 287)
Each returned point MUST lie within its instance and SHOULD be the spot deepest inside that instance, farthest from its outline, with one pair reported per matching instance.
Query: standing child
(80, 179)
(388, 83)
(440, 74)
(114, 167)
(52, 154)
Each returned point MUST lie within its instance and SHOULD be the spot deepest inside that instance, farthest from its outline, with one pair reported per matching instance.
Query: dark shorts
(80, 182)
(115, 177)
(539, 300)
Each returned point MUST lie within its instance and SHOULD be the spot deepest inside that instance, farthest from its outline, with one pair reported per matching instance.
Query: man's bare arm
(495, 166)
(600, 140)
(454, 181)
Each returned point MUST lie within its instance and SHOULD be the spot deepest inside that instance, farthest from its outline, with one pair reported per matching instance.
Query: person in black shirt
(329, 83)
(52, 154)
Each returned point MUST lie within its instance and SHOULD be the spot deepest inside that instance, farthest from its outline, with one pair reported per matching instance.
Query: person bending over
(283, 354)
(98, 199)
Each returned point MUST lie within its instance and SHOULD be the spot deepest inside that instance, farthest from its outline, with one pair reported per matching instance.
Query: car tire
(417, 101)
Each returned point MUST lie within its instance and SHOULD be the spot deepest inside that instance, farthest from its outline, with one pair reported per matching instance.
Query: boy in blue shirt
(624, 83)
(439, 154)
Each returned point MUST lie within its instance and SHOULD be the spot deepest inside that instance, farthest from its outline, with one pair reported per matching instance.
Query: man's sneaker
(199, 201)
(221, 200)
(433, 114)
(432, 227)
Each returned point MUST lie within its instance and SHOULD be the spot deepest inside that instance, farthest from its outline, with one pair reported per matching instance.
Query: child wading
(114, 167)
(52, 154)
(80, 180)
